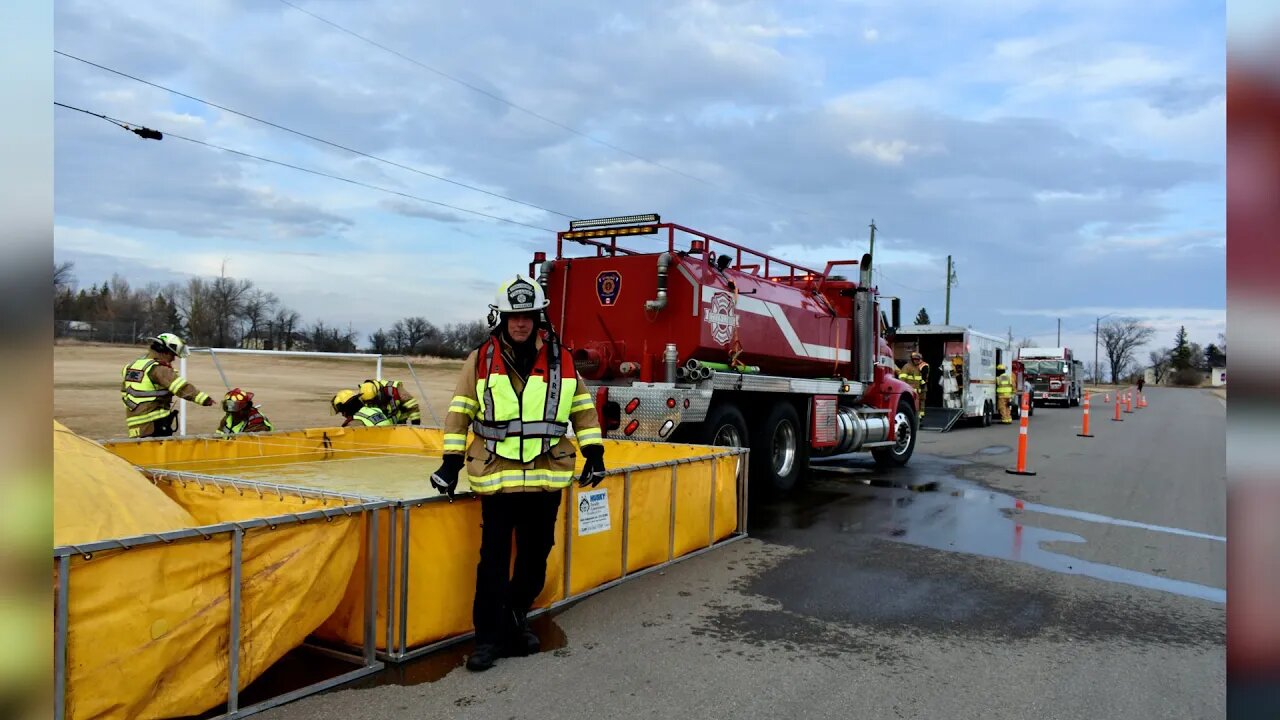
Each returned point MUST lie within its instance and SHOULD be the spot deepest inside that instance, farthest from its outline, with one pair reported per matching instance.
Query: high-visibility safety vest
(911, 375)
(369, 416)
(227, 427)
(1004, 385)
(522, 426)
(137, 388)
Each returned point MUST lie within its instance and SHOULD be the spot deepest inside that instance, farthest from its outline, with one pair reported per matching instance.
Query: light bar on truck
(610, 232)
(620, 220)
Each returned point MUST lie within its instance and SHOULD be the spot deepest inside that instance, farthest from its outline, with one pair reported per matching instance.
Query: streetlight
(1097, 368)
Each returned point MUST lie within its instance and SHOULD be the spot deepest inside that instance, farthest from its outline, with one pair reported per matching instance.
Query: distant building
(1218, 377)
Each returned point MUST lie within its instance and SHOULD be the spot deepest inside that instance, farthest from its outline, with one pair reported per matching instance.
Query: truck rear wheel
(778, 457)
(906, 425)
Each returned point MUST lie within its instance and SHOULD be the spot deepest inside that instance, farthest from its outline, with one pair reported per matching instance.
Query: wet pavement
(944, 589)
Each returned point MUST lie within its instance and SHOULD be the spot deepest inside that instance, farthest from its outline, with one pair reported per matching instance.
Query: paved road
(860, 598)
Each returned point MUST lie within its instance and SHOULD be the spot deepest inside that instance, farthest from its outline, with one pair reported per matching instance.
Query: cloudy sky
(1069, 156)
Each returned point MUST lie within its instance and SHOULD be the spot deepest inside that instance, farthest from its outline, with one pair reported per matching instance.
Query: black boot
(482, 657)
(522, 641)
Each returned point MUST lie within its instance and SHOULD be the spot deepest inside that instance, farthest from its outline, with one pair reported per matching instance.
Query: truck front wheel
(778, 458)
(905, 424)
(724, 427)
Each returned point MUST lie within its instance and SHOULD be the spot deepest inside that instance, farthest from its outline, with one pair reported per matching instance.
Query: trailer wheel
(778, 458)
(906, 425)
(724, 427)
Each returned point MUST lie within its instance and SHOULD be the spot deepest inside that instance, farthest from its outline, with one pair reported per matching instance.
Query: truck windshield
(1045, 367)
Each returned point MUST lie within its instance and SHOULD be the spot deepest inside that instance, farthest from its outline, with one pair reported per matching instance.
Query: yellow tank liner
(172, 605)
(665, 502)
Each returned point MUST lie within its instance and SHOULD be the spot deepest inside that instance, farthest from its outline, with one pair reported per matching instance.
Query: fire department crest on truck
(721, 317)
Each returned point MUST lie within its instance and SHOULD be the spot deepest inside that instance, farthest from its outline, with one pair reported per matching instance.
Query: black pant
(499, 591)
(164, 426)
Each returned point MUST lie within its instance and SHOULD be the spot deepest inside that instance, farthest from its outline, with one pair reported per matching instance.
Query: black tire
(898, 455)
(724, 426)
(779, 454)
(985, 420)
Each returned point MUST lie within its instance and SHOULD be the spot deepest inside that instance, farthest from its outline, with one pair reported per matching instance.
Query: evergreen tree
(922, 317)
(1180, 357)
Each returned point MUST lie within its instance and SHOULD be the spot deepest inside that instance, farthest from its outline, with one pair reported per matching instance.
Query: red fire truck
(703, 340)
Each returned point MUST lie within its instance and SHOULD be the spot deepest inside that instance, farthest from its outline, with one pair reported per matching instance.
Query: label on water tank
(593, 511)
(608, 285)
(722, 317)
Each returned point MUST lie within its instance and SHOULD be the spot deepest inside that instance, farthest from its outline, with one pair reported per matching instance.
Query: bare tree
(412, 334)
(1159, 361)
(1026, 342)
(258, 306)
(1120, 339)
(63, 278)
(285, 326)
(380, 342)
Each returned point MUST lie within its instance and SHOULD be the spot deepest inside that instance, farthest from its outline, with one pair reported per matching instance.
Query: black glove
(593, 468)
(445, 480)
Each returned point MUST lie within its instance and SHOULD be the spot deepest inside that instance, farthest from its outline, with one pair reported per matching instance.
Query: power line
(493, 96)
(521, 108)
(126, 124)
(299, 133)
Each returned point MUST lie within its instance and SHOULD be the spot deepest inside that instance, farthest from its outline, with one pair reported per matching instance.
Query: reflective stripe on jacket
(255, 422)
(369, 416)
(1004, 384)
(519, 426)
(147, 388)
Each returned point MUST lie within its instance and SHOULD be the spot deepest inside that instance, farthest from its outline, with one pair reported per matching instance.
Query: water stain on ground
(888, 541)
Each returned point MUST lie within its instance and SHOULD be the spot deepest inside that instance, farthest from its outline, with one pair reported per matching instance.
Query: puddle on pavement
(995, 450)
(960, 516)
(435, 666)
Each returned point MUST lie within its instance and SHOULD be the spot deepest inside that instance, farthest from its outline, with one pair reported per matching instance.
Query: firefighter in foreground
(393, 400)
(348, 404)
(149, 384)
(1004, 394)
(916, 374)
(242, 415)
(518, 393)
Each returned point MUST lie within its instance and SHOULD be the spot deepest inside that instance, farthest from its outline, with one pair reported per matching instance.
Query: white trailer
(962, 371)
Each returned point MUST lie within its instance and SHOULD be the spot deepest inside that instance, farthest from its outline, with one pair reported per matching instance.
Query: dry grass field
(293, 392)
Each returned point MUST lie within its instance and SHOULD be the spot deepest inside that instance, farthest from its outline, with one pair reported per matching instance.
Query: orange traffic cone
(1022, 441)
(1107, 398)
(1117, 418)
(1128, 402)
(1142, 400)
(1084, 431)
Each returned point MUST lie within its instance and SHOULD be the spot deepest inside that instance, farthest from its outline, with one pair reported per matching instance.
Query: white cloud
(871, 35)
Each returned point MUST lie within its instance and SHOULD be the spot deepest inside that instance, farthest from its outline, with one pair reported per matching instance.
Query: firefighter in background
(518, 393)
(394, 401)
(149, 384)
(348, 404)
(1004, 393)
(242, 415)
(916, 374)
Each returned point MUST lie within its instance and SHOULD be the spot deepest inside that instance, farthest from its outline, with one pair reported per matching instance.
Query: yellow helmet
(999, 366)
(343, 397)
(369, 389)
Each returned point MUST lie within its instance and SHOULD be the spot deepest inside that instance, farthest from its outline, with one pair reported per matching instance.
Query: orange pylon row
(1124, 403)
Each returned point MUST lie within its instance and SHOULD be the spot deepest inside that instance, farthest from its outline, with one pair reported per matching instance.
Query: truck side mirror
(895, 313)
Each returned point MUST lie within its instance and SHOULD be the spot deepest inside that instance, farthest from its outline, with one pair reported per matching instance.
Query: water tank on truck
(688, 337)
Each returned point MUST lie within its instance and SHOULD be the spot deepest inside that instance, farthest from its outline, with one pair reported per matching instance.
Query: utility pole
(1097, 369)
(1059, 332)
(872, 250)
(948, 316)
